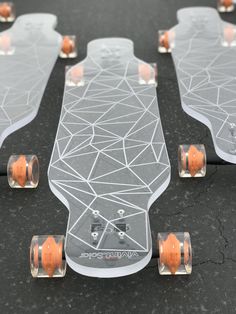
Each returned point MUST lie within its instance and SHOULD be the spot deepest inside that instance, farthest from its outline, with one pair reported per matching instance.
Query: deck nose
(106, 47)
(36, 20)
(193, 14)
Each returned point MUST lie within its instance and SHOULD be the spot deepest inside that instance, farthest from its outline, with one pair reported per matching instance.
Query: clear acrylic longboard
(109, 162)
(204, 53)
(28, 52)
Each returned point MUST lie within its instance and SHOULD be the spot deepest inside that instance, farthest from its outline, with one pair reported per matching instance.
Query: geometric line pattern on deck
(109, 153)
(25, 68)
(206, 70)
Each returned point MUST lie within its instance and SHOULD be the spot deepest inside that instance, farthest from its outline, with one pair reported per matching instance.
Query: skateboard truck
(192, 160)
(68, 47)
(225, 6)
(7, 12)
(22, 171)
(174, 254)
(148, 74)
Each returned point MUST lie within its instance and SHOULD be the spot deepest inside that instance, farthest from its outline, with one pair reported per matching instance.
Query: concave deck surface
(28, 52)
(206, 67)
(109, 162)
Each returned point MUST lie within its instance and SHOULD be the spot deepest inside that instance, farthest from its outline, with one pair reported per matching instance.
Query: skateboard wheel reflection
(175, 253)
(47, 258)
(225, 6)
(23, 171)
(68, 47)
(192, 161)
(7, 12)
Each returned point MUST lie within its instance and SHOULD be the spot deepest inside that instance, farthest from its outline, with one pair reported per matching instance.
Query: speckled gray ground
(204, 207)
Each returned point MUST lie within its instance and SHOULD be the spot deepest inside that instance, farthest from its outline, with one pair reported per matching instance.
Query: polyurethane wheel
(7, 12)
(23, 171)
(68, 47)
(175, 253)
(147, 73)
(226, 3)
(5, 43)
(192, 160)
(229, 35)
(225, 6)
(75, 76)
(163, 41)
(47, 257)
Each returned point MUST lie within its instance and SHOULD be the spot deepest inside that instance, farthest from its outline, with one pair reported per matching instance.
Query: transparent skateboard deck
(28, 52)
(109, 161)
(204, 54)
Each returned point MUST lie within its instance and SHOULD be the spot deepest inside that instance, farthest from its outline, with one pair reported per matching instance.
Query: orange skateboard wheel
(226, 3)
(76, 75)
(164, 40)
(170, 254)
(175, 253)
(51, 255)
(18, 170)
(229, 34)
(5, 43)
(23, 171)
(47, 256)
(192, 160)
(5, 10)
(77, 71)
(148, 73)
(145, 72)
(68, 45)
